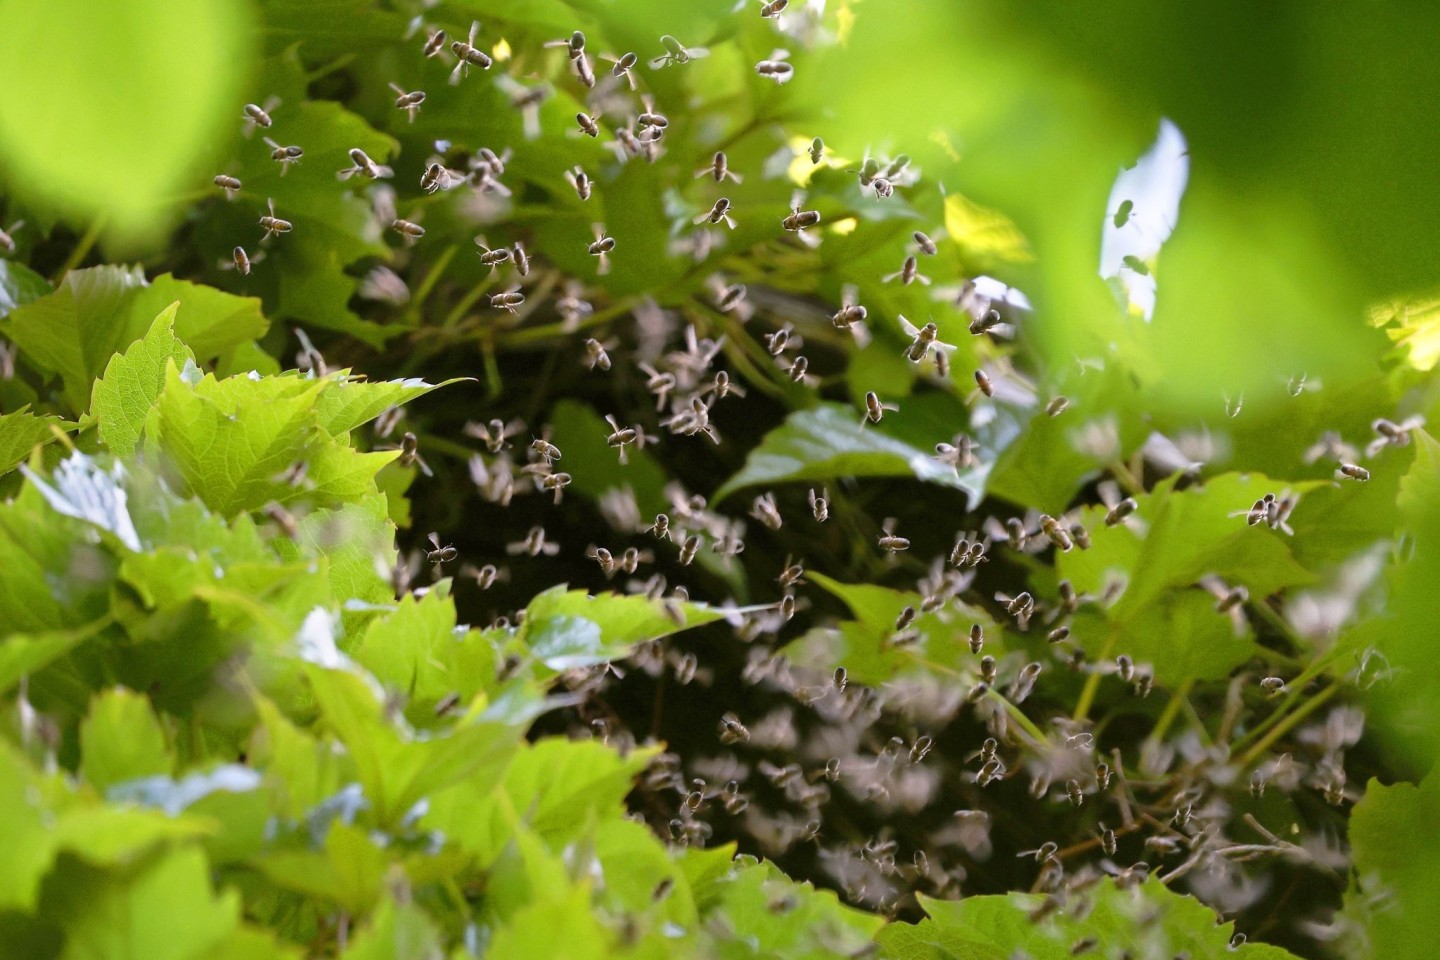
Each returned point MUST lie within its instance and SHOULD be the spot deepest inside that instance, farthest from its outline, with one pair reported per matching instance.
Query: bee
(273, 224)
(689, 549)
(730, 298)
(1231, 599)
(723, 386)
(495, 434)
(959, 455)
(889, 541)
(906, 617)
(908, 273)
(1353, 472)
(1020, 606)
(777, 67)
(883, 188)
(1274, 686)
(434, 44)
(1144, 680)
(548, 451)
(284, 156)
(1107, 838)
(771, 9)
(595, 355)
(527, 100)
(927, 338)
(467, 55)
(797, 370)
(409, 101)
(1136, 264)
(926, 245)
(1074, 792)
(983, 381)
(850, 312)
(574, 45)
(763, 509)
(486, 576)
(677, 53)
(507, 300)
(1058, 535)
(994, 768)
(240, 261)
(799, 220)
(820, 504)
(1058, 635)
(719, 212)
(257, 116)
(817, 151)
(1120, 511)
(441, 553)
(732, 730)
(534, 544)
(604, 558)
(556, 482)
(492, 258)
(775, 343)
(601, 248)
(986, 322)
(650, 119)
(623, 436)
(658, 382)
(583, 71)
(1069, 599)
(361, 163)
(874, 409)
(1080, 535)
(792, 574)
(229, 184)
(623, 65)
(588, 124)
(437, 177)
(719, 168)
(977, 638)
(1057, 406)
(1122, 213)
(579, 181)
(410, 454)
(1389, 433)
(1125, 668)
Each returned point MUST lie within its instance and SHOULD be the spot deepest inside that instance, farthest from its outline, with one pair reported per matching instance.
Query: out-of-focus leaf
(24, 654)
(984, 236)
(132, 108)
(581, 433)
(827, 442)
(23, 833)
(348, 870)
(1395, 893)
(121, 399)
(994, 927)
(1413, 324)
(20, 433)
(571, 629)
(122, 740)
(19, 285)
(396, 932)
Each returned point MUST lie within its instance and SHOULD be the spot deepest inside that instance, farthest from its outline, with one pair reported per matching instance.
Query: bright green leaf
(121, 399)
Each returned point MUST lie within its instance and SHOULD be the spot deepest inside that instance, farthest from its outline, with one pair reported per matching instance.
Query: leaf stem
(1092, 682)
(82, 249)
(1285, 726)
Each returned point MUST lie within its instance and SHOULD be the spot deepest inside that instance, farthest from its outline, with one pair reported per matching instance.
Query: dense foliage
(696, 602)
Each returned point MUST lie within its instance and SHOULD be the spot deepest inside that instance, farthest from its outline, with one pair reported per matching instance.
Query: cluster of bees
(821, 742)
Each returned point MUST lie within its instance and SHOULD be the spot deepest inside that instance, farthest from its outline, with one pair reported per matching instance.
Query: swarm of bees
(764, 780)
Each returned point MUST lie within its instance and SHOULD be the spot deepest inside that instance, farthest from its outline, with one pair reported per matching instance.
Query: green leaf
(74, 331)
(349, 402)
(232, 440)
(25, 654)
(122, 740)
(558, 925)
(570, 629)
(28, 847)
(209, 322)
(349, 870)
(581, 433)
(1394, 892)
(21, 433)
(19, 285)
(133, 109)
(115, 836)
(827, 442)
(1145, 920)
(1420, 487)
(396, 932)
(121, 399)
(417, 649)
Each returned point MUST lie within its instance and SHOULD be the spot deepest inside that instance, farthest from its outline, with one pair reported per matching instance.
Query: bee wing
(697, 53)
(657, 62)
(701, 219)
(910, 329)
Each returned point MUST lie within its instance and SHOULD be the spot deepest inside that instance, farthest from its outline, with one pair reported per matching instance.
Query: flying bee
(776, 342)
(983, 381)
(820, 504)
(732, 730)
(284, 156)
(1122, 213)
(1353, 472)
(1058, 535)
(441, 553)
(604, 558)
(926, 245)
(273, 225)
(601, 248)
(798, 369)
(1231, 599)
(495, 434)
(1120, 511)
(722, 386)
(677, 53)
(689, 548)
(920, 748)
(578, 179)
(257, 116)
(792, 574)
(621, 437)
(986, 322)
(883, 188)
(1125, 668)
(730, 298)
(595, 355)
(574, 45)
(408, 100)
(410, 454)
(906, 617)
(467, 55)
(408, 229)
(437, 176)
(763, 509)
(589, 125)
(959, 454)
(231, 185)
(485, 577)
(1058, 635)
(534, 544)
(507, 300)
(1274, 686)
(240, 261)
(817, 151)
(623, 67)
(889, 541)
(556, 482)
(434, 45)
(527, 100)
(1074, 791)
(869, 170)
(1389, 433)
(492, 258)
(1057, 406)
(874, 409)
(361, 163)
(977, 638)
(719, 168)
(927, 338)
(650, 118)
(777, 67)
(908, 273)
(1020, 606)
(799, 220)
(658, 382)
(1136, 264)
(719, 212)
